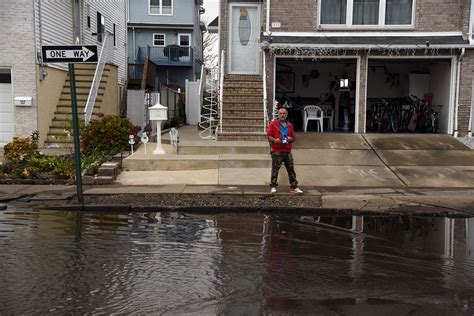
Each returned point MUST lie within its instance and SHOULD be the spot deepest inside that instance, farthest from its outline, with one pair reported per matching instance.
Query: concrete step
(65, 116)
(241, 136)
(243, 99)
(243, 128)
(196, 162)
(84, 82)
(243, 148)
(83, 90)
(247, 103)
(253, 113)
(246, 90)
(79, 97)
(242, 121)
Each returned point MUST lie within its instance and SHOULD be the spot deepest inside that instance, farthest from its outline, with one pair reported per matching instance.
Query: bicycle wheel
(428, 125)
(435, 126)
(394, 121)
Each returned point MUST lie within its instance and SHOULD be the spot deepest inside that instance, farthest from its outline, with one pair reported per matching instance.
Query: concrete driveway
(382, 160)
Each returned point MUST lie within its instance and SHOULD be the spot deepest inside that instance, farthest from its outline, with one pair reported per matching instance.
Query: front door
(244, 35)
(6, 109)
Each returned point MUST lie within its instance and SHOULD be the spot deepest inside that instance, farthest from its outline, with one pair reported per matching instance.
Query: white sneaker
(296, 191)
(273, 190)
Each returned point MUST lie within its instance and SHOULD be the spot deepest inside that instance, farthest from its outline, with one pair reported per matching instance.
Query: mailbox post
(158, 113)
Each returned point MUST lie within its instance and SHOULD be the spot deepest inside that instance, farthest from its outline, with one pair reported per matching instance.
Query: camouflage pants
(277, 159)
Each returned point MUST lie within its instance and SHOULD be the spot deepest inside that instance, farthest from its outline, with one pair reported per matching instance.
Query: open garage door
(408, 95)
(300, 83)
(6, 108)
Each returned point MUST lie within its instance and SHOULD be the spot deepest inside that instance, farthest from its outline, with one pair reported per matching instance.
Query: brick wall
(362, 89)
(18, 53)
(430, 15)
(441, 16)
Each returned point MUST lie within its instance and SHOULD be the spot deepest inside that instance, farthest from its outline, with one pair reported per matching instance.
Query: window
(333, 11)
(115, 34)
(100, 27)
(160, 7)
(159, 39)
(398, 12)
(184, 40)
(88, 12)
(366, 12)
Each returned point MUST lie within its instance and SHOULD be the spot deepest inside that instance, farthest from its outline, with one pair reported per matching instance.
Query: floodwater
(234, 264)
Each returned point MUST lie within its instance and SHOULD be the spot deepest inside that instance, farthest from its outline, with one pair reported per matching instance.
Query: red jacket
(273, 130)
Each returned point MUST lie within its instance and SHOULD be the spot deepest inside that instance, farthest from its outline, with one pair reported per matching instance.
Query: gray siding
(183, 13)
(114, 11)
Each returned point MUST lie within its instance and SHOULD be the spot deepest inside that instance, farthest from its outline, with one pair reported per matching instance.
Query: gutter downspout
(456, 109)
(267, 28)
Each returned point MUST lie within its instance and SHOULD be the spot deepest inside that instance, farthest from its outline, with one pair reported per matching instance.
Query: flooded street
(236, 264)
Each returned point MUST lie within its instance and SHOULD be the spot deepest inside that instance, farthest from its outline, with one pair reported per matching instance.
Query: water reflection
(234, 264)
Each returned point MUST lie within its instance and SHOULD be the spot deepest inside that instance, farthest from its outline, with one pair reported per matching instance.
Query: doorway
(244, 50)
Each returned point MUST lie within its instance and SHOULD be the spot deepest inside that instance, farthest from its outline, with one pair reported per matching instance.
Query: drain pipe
(456, 110)
(267, 29)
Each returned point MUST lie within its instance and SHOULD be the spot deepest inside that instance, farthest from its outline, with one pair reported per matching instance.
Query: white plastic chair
(328, 113)
(313, 113)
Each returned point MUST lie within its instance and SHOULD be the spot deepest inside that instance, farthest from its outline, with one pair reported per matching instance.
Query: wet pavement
(234, 264)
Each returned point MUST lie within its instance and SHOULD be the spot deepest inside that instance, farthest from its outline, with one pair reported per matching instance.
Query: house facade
(44, 88)
(169, 34)
(350, 56)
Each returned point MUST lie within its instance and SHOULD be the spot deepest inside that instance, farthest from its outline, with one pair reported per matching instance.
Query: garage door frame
(8, 71)
(352, 57)
(452, 85)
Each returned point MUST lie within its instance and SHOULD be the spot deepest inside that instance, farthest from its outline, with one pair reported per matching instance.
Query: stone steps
(84, 74)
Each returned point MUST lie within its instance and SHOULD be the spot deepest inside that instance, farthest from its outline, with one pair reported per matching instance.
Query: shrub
(109, 134)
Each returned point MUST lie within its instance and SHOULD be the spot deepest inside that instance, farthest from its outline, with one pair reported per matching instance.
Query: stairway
(242, 109)
(62, 119)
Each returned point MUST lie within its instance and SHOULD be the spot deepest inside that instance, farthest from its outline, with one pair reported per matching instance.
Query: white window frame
(184, 34)
(381, 24)
(164, 39)
(161, 8)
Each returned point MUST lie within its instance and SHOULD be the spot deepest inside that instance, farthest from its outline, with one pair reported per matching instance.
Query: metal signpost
(72, 54)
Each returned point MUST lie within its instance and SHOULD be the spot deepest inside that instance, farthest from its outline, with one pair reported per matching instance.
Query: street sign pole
(75, 125)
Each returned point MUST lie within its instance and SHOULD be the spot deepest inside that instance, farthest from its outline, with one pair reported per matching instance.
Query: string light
(316, 53)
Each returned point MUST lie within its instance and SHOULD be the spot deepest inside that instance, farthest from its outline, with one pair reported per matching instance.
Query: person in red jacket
(281, 134)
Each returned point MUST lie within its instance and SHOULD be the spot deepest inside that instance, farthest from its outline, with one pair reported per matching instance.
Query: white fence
(137, 105)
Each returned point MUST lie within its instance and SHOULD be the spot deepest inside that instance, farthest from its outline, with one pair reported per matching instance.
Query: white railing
(221, 88)
(265, 99)
(103, 58)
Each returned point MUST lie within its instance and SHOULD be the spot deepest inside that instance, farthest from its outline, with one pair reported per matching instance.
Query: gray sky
(212, 10)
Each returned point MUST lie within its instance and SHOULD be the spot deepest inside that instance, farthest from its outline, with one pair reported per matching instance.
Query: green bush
(109, 134)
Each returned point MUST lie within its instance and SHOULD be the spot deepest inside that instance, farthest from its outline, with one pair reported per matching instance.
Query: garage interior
(393, 81)
(303, 82)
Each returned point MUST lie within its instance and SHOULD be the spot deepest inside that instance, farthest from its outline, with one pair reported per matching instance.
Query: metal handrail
(265, 100)
(96, 81)
(221, 88)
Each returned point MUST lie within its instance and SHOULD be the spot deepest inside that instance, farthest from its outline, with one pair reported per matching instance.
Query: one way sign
(69, 54)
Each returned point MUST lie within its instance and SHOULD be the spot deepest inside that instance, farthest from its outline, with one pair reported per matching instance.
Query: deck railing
(168, 55)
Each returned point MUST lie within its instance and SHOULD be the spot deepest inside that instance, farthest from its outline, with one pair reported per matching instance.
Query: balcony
(170, 55)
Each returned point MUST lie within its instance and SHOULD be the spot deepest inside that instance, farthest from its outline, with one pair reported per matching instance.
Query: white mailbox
(158, 113)
(23, 101)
